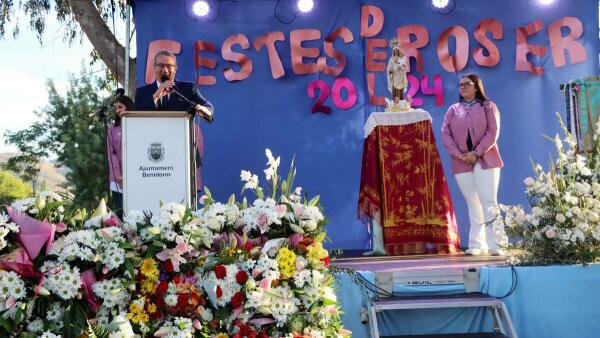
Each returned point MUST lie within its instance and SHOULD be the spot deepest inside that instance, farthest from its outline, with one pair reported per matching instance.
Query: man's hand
(120, 182)
(204, 112)
(164, 89)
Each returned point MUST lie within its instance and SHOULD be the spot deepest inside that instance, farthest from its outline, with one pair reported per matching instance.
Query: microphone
(164, 78)
(99, 112)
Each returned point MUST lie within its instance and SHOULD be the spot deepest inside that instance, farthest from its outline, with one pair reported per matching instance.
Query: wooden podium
(158, 160)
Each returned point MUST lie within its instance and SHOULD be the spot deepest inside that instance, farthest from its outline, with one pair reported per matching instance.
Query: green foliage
(65, 131)
(74, 318)
(12, 188)
(95, 331)
(37, 11)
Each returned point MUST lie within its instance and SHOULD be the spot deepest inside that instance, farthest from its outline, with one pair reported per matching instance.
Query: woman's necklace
(469, 104)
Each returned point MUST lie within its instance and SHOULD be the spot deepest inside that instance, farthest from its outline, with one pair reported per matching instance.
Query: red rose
(241, 277)
(162, 287)
(245, 331)
(326, 261)
(156, 315)
(219, 292)
(182, 301)
(168, 266)
(237, 300)
(220, 271)
(248, 246)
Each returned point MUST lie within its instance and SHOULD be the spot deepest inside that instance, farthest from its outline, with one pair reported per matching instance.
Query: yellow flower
(286, 260)
(222, 335)
(147, 286)
(151, 308)
(149, 269)
(315, 254)
(136, 314)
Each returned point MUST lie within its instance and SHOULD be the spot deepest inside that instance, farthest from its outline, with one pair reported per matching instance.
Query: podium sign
(157, 161)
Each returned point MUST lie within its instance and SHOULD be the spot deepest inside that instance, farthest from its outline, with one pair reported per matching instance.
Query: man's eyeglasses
(465, 84)
(162, 65)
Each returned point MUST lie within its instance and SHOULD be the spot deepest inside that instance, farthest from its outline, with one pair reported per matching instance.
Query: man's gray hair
(165, 53)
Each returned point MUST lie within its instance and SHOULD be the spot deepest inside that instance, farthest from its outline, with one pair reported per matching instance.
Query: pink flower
(550, 233)
(113, 221)
(10, 302)
(295, 239)
(280, 209)
(181, 245)
(265, 283)
(332, 310)
(173, 256)
(263, 222)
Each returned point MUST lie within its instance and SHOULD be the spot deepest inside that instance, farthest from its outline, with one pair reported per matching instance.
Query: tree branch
(104, 41)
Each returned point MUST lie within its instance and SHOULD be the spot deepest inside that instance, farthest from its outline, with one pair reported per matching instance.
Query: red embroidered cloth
(403, 186)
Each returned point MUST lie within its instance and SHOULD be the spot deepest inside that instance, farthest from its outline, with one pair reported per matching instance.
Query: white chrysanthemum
(23, 205)
(36, 325)
(112, 255)
(54, 314)
(96, 221)
(112, 292)
(61, 279)
(265, 263)
(82, 245)
(11, 285)
(135, 217)
(285, 304)
(171, 299)
(5, 222)
(301, 278)
(179, 327)
(49, 334)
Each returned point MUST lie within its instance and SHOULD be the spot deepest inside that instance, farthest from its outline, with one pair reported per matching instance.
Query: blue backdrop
(261, 112)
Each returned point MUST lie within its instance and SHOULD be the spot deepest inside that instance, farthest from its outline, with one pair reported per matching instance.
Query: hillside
(49, 172)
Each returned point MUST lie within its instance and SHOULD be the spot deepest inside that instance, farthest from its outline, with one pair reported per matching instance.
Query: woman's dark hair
(480, 91)
(124, 99)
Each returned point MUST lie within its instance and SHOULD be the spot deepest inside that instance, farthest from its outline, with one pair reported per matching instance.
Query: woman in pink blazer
(113, 142)
(470, 131)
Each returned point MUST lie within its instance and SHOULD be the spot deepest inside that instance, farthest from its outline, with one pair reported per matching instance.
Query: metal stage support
(503, 326)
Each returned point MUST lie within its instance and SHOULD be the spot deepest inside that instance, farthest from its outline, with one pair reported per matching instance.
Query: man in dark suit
(168, 94)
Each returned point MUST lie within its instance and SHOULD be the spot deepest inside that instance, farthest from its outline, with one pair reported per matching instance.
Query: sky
(26, 66)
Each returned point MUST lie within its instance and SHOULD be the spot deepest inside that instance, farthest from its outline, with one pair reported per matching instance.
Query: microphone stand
(192, 109)
(195, 155)
(103, 117)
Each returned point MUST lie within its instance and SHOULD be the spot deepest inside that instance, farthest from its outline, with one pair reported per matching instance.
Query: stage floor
(417, 262)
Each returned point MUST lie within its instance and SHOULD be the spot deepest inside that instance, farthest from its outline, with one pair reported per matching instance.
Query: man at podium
(168, 94)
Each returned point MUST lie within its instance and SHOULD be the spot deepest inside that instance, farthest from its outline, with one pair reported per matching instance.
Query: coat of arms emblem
(156, 152)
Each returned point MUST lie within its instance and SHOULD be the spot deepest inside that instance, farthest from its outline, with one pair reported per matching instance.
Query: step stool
(503, 327)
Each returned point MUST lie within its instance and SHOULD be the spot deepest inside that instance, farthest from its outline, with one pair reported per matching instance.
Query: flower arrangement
(235, 269)
(563, 225)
